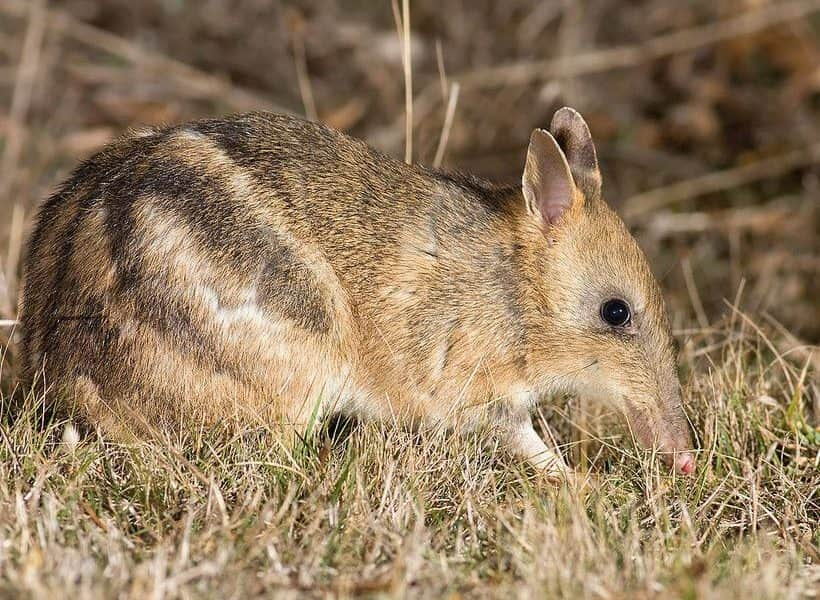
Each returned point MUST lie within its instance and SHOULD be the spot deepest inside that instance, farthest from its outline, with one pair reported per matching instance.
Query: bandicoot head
(599, 324)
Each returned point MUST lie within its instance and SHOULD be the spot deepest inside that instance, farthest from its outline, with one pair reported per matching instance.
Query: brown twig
(21, 98)
(642, 204)
(92, 514)
(619, 57)
(442, 72)
(302, 75)
(20, 103)
(448, 124)
(402, 19)
(757, 219)
(792, 345)
(203, 83)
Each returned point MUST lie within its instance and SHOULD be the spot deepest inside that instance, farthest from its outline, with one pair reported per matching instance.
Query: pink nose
(685, 463)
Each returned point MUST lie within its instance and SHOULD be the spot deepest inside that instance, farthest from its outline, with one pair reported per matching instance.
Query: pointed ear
(572, 134)
(547, 182)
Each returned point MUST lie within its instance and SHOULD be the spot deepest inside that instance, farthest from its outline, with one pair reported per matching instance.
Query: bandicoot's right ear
(547, 182)
(572, 134)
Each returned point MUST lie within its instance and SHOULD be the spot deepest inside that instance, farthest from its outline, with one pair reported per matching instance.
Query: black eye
(616, 312)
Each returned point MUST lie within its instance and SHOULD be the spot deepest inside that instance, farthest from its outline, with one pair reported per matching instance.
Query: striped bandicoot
(263, 269)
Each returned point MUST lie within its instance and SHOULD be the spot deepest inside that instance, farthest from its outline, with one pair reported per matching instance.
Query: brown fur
(256, 268)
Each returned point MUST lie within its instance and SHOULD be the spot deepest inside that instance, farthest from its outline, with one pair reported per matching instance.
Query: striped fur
(251, 269)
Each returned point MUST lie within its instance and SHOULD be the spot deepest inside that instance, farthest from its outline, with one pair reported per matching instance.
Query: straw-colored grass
(426, 514)
(705, 116)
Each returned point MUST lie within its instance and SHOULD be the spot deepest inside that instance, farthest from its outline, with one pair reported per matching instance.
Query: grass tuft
(381, 510)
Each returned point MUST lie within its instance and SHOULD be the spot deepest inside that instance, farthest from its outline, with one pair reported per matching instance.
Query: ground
(707, 120)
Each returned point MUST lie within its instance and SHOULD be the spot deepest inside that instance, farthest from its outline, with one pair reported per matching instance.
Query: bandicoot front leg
(524, 442)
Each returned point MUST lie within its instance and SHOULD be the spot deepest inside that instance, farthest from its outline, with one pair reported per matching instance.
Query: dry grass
(385, 510)
(708, 134)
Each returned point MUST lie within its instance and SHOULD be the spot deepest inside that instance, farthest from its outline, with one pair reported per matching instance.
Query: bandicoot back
(262, 269)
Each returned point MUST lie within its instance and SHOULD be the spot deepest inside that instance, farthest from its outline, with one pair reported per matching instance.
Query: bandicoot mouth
(673, 442)
(685, 463)
(682, 462)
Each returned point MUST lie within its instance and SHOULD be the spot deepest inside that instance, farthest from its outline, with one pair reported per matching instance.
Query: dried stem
(302, 76)
(645, 203)
(448, 124)
(21, 98)
(188, 76)
(619, 57)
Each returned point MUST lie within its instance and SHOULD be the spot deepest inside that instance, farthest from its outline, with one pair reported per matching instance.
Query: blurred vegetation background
(706, 113)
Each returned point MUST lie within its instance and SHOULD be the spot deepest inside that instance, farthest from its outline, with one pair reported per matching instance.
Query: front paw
(582, 483)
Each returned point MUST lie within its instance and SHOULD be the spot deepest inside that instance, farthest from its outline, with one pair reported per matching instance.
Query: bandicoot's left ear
(547, 182)
(572, 134)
